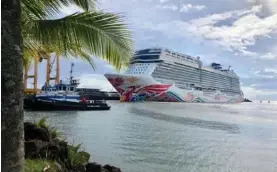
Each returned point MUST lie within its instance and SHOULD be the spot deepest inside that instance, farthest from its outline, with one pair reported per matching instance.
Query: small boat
(62, 96)
(38, 104)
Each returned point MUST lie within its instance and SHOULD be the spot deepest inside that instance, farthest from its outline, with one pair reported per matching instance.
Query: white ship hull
(133, 88)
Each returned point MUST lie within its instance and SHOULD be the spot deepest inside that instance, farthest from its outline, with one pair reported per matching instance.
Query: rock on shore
(41, 143)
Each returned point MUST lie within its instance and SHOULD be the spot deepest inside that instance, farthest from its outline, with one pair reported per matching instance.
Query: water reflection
(214, 125)
(64, 121)
(175, 137)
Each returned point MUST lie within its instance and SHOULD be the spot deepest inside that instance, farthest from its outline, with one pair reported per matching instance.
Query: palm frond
(84, 4)
(100, 34)
(51, 8)
(32, 8)
(31, 48)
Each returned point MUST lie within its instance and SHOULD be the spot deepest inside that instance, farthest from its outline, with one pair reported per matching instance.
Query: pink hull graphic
(134, 88)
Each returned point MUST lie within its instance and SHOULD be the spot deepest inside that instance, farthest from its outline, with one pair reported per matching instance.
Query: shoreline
(47, 150)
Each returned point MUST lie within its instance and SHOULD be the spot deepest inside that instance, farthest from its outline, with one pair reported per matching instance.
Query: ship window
(147, 57)
(64, 88)
(71, 88)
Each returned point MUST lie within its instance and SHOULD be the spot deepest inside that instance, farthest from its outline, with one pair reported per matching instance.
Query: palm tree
(12, 88)
(91, 32)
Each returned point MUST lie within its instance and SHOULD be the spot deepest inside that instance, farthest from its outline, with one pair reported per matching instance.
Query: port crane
(40, 56)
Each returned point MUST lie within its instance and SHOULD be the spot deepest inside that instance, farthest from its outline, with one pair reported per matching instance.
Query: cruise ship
(160, 74)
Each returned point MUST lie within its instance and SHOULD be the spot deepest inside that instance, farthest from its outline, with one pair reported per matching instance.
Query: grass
(75, 158)
(37, 165)
(42, 123)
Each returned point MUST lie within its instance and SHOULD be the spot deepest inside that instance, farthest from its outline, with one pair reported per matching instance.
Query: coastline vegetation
(47, 150)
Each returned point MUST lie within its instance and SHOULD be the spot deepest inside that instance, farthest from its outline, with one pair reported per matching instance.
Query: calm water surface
(175, 136)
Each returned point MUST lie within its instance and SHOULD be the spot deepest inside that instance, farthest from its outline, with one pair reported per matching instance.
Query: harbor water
(171, 137)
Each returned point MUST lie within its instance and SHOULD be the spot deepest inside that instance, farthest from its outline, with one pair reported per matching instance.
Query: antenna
(71, 71)
(229, 67)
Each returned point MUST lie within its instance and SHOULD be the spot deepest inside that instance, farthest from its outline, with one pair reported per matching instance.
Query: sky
(240, 33)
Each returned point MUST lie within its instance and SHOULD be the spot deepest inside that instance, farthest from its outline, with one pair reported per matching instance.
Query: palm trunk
(12, 88)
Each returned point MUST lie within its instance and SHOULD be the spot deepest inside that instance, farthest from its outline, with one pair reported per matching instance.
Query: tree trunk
(12, 88)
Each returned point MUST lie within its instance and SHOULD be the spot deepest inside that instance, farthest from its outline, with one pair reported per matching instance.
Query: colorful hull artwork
(144, 88)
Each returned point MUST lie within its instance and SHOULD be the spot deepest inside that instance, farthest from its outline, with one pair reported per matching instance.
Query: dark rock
(33, 148)
(110, 168)
(32, 132)
(39, 145)
(55, 150)
(79, 168)
(246, 100)
(93, 167)
(62, 153)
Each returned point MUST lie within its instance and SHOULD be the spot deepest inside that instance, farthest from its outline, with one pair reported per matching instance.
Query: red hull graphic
(139, 88)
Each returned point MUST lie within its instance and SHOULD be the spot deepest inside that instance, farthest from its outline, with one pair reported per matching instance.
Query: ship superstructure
(175, 77)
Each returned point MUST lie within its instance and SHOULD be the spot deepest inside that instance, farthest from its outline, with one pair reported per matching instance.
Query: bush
(42, 123)
(76, 158)
(54, 133)
(37, 165)
(69, 156)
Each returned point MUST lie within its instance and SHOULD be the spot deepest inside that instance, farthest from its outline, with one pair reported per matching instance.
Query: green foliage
(37, 165)
(76, 158)
(72, 157)
(54, 133)
(42, 123)
(80, 35)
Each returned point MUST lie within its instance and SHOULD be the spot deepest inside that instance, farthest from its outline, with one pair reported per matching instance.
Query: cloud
(163, 1)
(269, 56)
(262, 80)
(68, 10)
(257, 94)
(189, 7)
(240, 34)
(268, 73)
(95, 81)
(268, 5)
(271, 70)
(217, 17)
(168, 7)
(184, 8)
(242, 29)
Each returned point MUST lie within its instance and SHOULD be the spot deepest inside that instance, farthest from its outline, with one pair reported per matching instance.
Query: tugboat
(62, 96)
